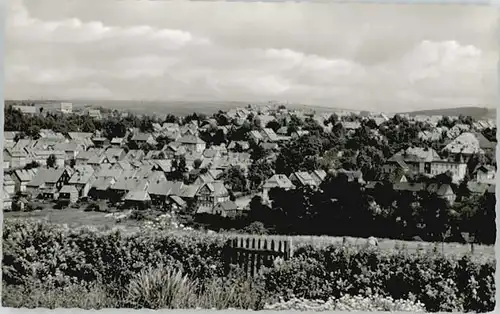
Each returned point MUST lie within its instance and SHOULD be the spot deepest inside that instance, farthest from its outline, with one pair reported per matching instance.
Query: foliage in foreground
(49, 266)
(348, 303)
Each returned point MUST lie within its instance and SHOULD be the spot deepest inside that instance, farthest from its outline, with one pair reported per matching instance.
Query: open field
(78, 218)
(75, 218)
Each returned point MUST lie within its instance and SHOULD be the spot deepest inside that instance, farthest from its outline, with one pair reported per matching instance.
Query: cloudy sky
(360, 56)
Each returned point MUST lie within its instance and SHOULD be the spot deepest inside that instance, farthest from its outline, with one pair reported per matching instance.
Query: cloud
(198, 51)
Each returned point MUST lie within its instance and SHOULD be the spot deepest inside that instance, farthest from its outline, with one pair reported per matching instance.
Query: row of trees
(342, 208)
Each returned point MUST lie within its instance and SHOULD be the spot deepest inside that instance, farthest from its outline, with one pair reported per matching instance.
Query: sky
(358, 56)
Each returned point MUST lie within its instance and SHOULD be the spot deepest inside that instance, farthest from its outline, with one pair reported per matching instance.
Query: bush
(40, 259)
(441, 283)
(349, 303)
(256, 227)
(161, 288)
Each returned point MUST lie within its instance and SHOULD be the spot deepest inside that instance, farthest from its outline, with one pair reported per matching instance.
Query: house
(41, 156)
(100, 141)
(154, 154)
(23, 143)
(81, 137)
(95, 114)
(159, 191)
(351, 126)
(485, 174)
(268, 146)
(458, 169)
(444, 191)
(392, 177)
(227, 209)
(22, 177)
(27, 110)
(139, 199)
(268, 135)
(134, 155)
(188, 192)
(414, 160)
(192, 143)
(408, 187)
(255, 136)
(6, 161)
(6, 200)
(164, 165)
(302, 178)
(477, 188)
(82, 179)
(212, 193)
(117, 142)
(71, 149)
(48, 181)
(9, 138)
(280, 181)
(211, 153)
(318, 176)
(91, 154)
(128, 181)
(173, 149)
(282, 131)
(122, 165)
(114, 154)
(15, 158)
(189, 129)
(9, 185)
(100, 186)
(204, 178)
(68, 194)
(97, 161)
(177, 203)
(51, 135)
(143, 138)
(466, 144)
(299, 133)
(352, 175)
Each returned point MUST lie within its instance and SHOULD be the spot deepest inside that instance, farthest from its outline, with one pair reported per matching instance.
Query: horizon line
(260, 103)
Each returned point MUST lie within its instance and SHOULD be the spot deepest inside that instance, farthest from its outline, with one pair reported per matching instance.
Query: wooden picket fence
(251, 253)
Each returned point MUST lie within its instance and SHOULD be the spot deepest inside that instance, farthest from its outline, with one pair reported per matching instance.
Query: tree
(162, 141)
(179, 168)
(170, 118)
(275, 125)
(256, 227)
(51, 161)
(235, 178)
(259, 172)
(300, 155)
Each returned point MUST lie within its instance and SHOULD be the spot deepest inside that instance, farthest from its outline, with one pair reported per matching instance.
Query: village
(171, 168)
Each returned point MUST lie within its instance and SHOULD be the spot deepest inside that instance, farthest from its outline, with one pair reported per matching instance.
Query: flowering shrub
(348, 303)
(39, 250)
(441, 283)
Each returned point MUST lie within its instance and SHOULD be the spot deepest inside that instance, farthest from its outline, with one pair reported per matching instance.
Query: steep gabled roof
(278, 181)
(46, 175)
(82, 175)
(138, 196)
(68, 189)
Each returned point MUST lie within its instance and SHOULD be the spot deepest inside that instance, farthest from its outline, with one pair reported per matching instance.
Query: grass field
(75, 218)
